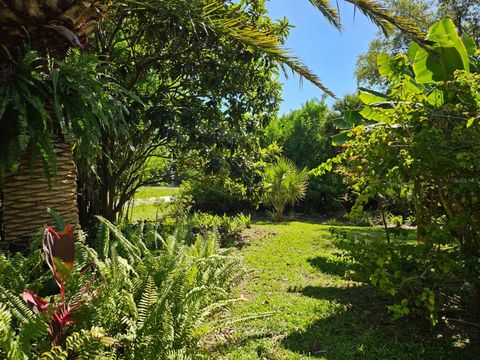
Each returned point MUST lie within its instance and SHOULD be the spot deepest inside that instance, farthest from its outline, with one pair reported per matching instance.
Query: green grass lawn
(143, 208)
(147, 192)
(295, 273)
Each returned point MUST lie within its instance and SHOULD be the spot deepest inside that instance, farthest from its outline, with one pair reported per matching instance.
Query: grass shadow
(328, 265)
(360, 327)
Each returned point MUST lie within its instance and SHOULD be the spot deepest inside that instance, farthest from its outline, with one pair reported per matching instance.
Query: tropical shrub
(228, 229)
(420, 139)
(218, 194)
(284, 185)
(134, 296)
(418, 278)
(226, 183)
(305, 136)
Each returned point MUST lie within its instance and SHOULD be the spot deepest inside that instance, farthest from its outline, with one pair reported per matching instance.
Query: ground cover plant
(136, 296)
(166, 217)
(295, 271)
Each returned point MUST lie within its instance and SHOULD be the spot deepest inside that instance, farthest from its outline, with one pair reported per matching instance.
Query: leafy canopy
(420, 140)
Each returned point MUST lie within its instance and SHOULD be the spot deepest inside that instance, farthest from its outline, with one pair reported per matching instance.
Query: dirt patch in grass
(254, 234)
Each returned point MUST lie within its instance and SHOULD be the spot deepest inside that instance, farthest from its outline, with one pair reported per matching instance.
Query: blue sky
(327, 52)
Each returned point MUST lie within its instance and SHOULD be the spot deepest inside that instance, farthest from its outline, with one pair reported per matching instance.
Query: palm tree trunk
(28, 193)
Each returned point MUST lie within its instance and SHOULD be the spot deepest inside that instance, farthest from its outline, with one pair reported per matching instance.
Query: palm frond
(330, 13)
(231, 22)
(386, 20)
(285, 184)
(236, 27)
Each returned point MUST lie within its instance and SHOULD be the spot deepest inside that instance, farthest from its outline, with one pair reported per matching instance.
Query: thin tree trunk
(28, 193)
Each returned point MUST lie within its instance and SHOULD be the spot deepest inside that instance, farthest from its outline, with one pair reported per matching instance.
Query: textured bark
(28, 193)
(50, 27)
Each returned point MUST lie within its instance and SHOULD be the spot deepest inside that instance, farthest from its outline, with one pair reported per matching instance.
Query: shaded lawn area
(295, 273)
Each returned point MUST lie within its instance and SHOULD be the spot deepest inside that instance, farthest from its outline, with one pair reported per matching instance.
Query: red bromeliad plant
(59, 252)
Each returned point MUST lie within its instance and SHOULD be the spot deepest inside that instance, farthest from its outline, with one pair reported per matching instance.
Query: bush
(418, 143)
(136, 296)
(180, 213)
(228, 229)
(305, 136)
(421, 278)
(284, 185)
(217, 195)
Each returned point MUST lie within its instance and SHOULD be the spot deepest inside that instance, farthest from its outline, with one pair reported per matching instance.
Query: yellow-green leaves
(435, 97)
(371, 97)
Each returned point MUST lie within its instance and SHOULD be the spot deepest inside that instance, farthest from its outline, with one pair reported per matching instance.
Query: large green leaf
(341, 138)
(440, 61)
(412, 51)
(383, 64)
(376, 114)
(370, 97)
(435, 97)
(350, 119)
(469, 44)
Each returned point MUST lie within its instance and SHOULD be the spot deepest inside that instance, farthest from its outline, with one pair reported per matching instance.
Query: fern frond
(16, 306)
(149, 298)
(77, 342)
(34, 329)
(55, 353)
(102, 241)
(9, 344)
(122, 241)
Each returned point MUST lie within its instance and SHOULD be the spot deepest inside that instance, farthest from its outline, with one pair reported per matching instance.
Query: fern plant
(141, 295)
(73, 99)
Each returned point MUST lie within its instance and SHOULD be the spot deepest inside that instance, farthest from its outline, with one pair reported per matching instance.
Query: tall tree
(40, 108)
(201, 94)
(36, 117)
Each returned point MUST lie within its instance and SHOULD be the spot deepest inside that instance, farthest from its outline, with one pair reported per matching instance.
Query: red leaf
(37, 303)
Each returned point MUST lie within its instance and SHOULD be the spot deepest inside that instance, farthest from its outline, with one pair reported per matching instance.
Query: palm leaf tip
(236, 26)
(386, 20)
(330, 13)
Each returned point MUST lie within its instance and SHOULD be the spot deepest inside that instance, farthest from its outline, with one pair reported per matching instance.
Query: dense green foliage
(167, 217)
(137, 295)
(70, 99)
(204, 98)
(305, 136)
(230, 184)
(420, 140)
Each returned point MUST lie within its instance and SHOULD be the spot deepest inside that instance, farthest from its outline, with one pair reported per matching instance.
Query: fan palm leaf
(284, 184)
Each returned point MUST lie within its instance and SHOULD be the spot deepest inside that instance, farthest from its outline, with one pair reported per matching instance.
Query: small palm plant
(285, 185)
